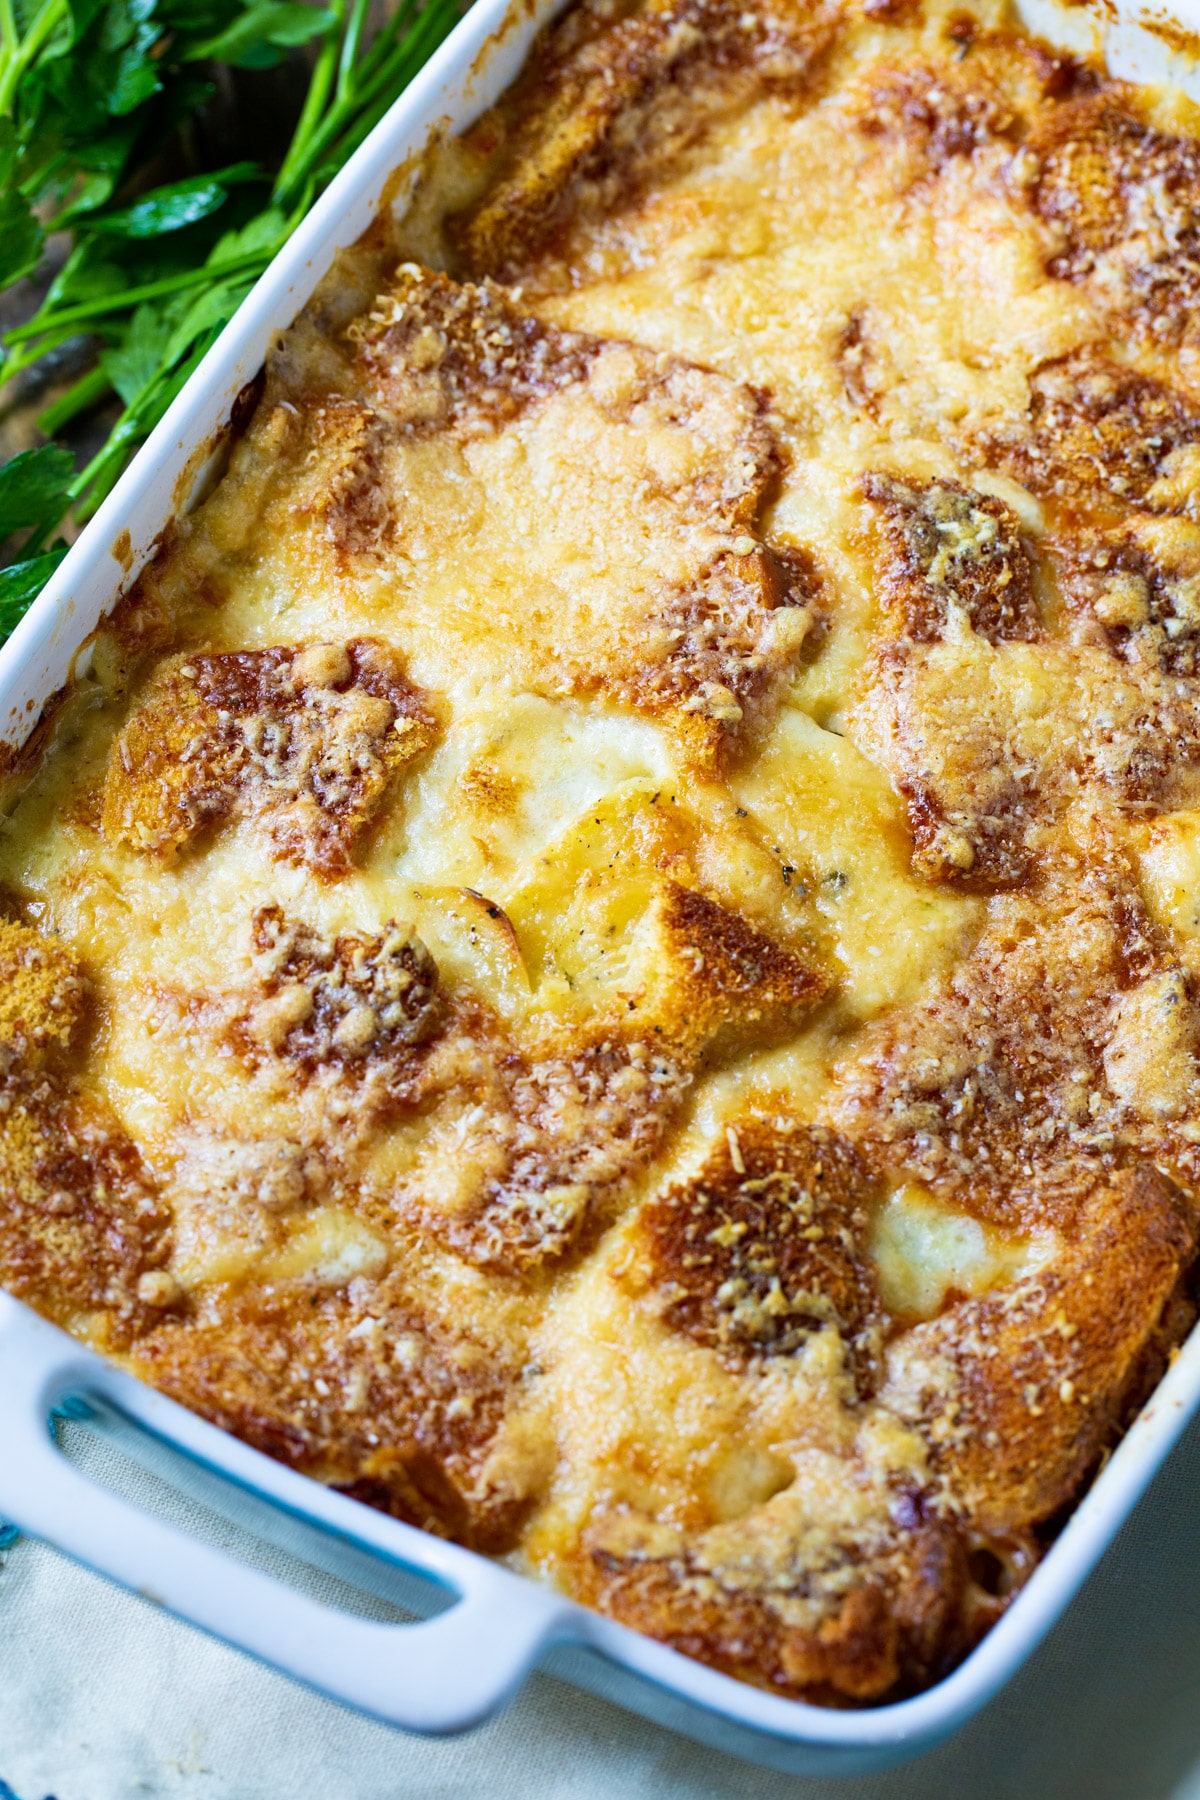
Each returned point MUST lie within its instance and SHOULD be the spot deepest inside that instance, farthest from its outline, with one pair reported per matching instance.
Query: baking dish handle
(443, 1675)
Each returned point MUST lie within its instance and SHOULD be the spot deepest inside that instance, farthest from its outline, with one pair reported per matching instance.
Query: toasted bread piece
(766, 1245)
(1017, 1392)
(304, 739)
(356, 1387)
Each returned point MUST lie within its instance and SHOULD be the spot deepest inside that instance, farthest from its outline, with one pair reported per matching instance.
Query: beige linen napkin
(104, 1698)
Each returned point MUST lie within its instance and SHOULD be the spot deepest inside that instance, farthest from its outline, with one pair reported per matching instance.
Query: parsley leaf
(171, 208)
(33, 488)
(133, 363)
(22, 582)
(257, 38)
(21, 238)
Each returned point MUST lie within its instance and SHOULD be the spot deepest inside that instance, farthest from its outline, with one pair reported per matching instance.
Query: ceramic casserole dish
(483, 1627)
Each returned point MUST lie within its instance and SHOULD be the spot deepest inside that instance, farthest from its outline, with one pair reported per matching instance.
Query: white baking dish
(454, 1669)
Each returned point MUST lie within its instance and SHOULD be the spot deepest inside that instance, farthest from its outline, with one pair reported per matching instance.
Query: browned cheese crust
(307, 739)
(607, 958)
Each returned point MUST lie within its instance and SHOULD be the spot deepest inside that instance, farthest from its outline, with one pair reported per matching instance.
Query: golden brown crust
(610, 99)
(974, 795)
(1018, 1392)
(694, 454)
(359, 1389)
(553, 1138)
(766, 1246)
(346, 489)
(1119, 197)
(570, 1120)
(890, 1631)
(306, 737)
(1099, 434)
(544, 1134)
(356, 1004)
(41, 994)
(721, 981)
(1140, 586)
(83, 1231)
(1007, 1087)
(952, 553)
(931, 115)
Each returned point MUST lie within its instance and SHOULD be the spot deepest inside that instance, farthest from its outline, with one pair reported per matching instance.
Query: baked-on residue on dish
(607, 957)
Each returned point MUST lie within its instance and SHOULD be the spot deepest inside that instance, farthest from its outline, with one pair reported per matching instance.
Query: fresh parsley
(92, 94)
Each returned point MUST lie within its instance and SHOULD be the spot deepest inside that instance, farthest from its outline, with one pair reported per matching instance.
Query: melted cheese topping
(605, 957)
(925, 1250)
(1170, 871)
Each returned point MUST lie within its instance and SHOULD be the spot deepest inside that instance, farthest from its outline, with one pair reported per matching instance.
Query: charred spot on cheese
(1041, 1058)
(1121, 199)
(952, 552)
(864, 381)
(765, 1598)
(1099, 436)
(1140, 584)
(303, 739)
(765, 1246)
(1055, 1361)
(360, 1390)
(609, 101)
(357, 1004)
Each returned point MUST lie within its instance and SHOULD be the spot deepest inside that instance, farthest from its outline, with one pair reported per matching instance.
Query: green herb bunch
(93, 95)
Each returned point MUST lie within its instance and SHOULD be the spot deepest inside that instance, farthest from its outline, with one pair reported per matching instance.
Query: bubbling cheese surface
(605, 957)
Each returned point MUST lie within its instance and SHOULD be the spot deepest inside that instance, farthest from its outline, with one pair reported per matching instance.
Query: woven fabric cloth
(104, 1698)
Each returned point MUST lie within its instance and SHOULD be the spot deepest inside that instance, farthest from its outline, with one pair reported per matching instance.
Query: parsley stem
(14, 365)
(99, 475)
(426, 29)
(86, 310)
(8, 30)
(88, 391)
(350, 48)
(375, 99)
(311, 155)
(45, 22)
(347, 123)
(384, 40)
(314, 101)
